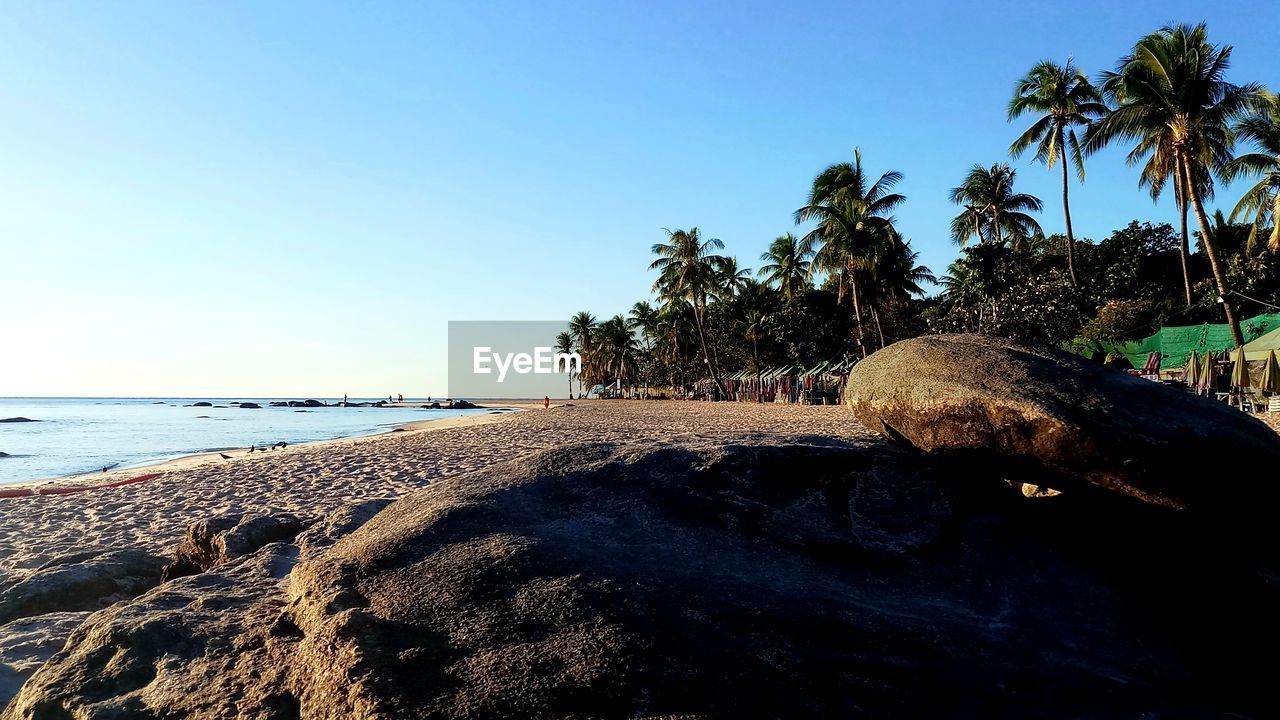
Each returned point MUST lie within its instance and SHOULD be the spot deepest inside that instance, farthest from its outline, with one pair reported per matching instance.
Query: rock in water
(664, 580)
(1062, 419)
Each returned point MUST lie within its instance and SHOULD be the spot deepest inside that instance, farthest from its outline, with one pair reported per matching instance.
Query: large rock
(217, 644)
(27, 643)
(698, 581)
(84, 581)
(1056, 419)
(215, 541)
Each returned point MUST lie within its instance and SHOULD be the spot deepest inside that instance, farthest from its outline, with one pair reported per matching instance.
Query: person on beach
(546, 402)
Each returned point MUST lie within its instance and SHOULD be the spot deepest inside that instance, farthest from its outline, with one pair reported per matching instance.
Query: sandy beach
(319, 478)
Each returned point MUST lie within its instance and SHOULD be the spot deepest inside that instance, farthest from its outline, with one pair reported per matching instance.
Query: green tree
(564, 344)
(1262, 201)
(990, 204)
(688, 270)
(787, 264)
(1173, 101)
(581, 327)
(1063, 99)
(855, 225)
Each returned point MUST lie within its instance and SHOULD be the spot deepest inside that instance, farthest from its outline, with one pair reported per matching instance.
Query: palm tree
(989, 202)
(854, 225)
(753, 331)
(896, 277)
(564, 344)
(788, 260)
(1173, 100)
(616, 351)
(644, 317)
(687, 270)
(1064, 99)
(729, 278)
(581, 326)
(1262, 201)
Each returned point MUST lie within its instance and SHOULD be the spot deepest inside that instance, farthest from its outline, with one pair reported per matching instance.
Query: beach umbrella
(1205, 381)
(1270, 381)
(1191, 373)
(1240, 370)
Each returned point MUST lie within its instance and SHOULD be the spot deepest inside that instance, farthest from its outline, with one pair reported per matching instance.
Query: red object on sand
(23, 492)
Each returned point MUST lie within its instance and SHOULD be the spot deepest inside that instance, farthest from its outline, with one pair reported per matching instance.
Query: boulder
(461, 405)
(84, 581)
(693, 579)
(202, 404)
(215, 541)
(17, 420)
(4, 455)
(282, 403)
(250, 406)
(213, 645)
(1058, 420)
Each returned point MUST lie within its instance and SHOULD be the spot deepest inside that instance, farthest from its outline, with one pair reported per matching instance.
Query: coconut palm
(1262, 201)
(644, 317)
(687, 270)
(564, 345)
(729, 278)
(1063, 99)
(616, 351)
(788, 259)
(854, 225)
(581, 326)
(1172, 99)
(990, 203)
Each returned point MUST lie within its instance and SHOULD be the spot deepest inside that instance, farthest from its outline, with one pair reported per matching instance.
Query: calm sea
(78, 435)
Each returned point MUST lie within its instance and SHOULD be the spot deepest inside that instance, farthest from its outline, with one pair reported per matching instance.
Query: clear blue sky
(294, 198)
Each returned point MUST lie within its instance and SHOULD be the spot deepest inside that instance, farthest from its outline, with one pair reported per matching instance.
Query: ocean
(77, 435)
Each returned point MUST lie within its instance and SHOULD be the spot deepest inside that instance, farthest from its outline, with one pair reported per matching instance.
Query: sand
(319, 478)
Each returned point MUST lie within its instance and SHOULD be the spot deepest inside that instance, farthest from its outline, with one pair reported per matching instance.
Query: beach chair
(1151, 368)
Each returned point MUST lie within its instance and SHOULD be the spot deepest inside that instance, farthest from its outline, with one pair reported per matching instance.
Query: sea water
(77, 435)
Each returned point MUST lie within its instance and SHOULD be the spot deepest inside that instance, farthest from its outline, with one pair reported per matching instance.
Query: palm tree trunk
(857, 313)
(1185, 250)
(1194, 194)
(875, 315)
(1066, 211)
(702, 338)
(995, 226)
(755, 360)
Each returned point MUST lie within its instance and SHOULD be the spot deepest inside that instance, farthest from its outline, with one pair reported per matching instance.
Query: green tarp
(1175, 344)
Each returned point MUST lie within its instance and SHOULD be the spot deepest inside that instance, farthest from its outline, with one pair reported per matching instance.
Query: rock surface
(217, 541)
(85, 581)
(248, 405)
(1058, 420)
(27, 643)
(698, 580)
(17, 420)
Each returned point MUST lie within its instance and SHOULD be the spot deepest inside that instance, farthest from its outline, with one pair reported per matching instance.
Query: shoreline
(185, 462)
